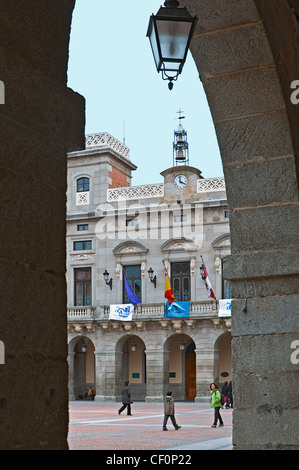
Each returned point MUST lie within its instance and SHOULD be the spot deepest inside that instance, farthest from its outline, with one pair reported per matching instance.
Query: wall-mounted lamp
(170, 32)
(106, 276)
(133, 346)
(151, 276)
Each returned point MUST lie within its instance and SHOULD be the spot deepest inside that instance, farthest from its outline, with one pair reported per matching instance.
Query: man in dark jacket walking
(126, 399)
(169, 412)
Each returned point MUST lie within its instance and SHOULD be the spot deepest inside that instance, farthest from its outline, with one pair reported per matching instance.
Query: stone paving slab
(97, 426)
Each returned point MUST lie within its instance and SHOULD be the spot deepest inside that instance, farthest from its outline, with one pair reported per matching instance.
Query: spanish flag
(168, 291)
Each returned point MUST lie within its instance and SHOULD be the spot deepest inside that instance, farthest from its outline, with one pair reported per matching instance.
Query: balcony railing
(142, 311)
(80, 313)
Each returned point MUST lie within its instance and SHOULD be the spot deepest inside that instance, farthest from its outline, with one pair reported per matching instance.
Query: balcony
(198, 310)
(86, 317)
(80, 313)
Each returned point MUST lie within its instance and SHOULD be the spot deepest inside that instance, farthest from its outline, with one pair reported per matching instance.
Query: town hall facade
(173, 228)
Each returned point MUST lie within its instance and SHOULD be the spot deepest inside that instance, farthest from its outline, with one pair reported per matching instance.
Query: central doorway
(190, 372)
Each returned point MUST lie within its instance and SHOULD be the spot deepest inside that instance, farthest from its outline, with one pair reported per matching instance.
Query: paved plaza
(97, 426)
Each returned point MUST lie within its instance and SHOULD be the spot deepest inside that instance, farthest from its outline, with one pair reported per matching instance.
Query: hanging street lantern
(170, 32)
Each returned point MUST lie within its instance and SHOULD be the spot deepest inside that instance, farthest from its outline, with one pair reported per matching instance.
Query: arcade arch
(247, 59)
(131, 365)
(82, 374)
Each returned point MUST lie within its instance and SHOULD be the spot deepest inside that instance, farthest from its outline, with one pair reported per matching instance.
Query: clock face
(180, 181)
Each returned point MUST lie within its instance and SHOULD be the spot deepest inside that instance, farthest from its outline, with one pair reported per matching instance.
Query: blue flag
(177, 309)
(132, 297)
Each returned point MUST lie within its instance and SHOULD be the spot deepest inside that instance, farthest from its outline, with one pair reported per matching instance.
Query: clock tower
(180, 181)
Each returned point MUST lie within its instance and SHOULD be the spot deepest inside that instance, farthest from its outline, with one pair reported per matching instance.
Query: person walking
(169, 412)
(126, 399)
(224, 392)
(230, 395)
(216, 404)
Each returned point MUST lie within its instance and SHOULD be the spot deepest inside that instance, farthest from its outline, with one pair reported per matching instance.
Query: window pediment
(178, 244)
(129, 248)
(222, 242)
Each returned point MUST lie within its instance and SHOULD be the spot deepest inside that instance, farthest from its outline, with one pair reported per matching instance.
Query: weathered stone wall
(40, 121)
(247, 58)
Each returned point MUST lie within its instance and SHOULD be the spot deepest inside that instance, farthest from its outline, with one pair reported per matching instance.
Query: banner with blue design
(122, 312)
(177, 309)
(225, 308)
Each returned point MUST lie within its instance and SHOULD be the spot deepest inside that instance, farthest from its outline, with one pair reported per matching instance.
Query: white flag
(122, 312)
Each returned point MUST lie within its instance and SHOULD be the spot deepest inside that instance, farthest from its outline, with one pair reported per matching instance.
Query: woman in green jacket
(216, 404)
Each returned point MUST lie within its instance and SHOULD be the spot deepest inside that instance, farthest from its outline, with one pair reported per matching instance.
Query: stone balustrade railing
(157, 190)
(103, 138)
(142, 311)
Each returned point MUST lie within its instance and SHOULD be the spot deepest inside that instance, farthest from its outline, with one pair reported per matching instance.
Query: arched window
(82, 185)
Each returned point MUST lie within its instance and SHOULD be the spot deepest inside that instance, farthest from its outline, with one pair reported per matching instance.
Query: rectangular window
(82, 288)
(82, 227)
(133, 275)
(180, 280)
(131, 222)
(83, 245)
(180, 218)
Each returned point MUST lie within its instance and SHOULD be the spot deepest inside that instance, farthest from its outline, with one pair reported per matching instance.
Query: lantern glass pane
(173, 37)
(153, 41)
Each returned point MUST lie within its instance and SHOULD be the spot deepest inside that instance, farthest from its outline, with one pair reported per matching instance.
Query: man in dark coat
(126, 399)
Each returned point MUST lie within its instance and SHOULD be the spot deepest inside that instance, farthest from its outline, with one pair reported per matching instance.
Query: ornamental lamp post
(170, 32)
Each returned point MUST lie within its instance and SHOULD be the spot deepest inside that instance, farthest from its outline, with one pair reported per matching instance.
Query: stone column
(70, 359)
(108, 367)
(41, 121)
(204, 374)
(155, 375)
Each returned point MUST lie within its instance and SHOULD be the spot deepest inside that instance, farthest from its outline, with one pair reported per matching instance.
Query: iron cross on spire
(180, 112)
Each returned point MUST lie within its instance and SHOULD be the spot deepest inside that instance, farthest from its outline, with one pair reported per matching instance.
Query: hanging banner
(122, 312)
(177, 309)
(225, 308)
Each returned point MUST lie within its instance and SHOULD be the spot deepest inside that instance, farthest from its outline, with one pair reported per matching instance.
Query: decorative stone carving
(82, 258)
(140, 325)
(165, 324)
(143, 269)
(78, 329)
(118, 271)
(210, 184)
(218, 265)
(167, 267)
(127, 327)
(222, 242)
(135, 192)
(178, 245)
(177, 324)
(127, 248)
(105, 139)
(192, 267)
(82, 198)
(217, 322)
(190, 323)
(90, 327)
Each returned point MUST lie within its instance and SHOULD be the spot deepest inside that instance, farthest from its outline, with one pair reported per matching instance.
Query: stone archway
(246, 54)
(81, 367)
(180, 366)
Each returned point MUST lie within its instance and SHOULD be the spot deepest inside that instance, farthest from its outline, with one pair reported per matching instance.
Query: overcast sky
(112, 66)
